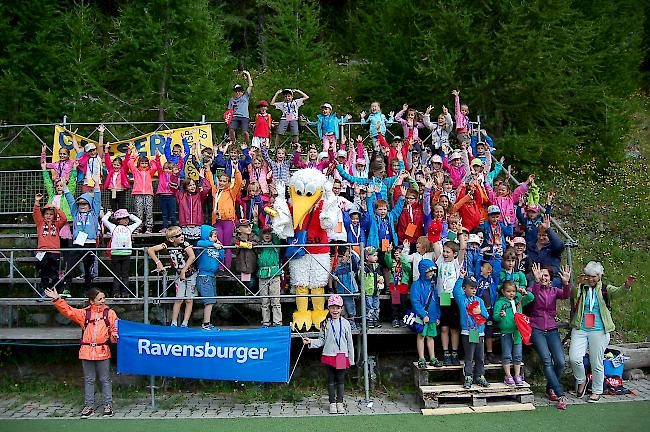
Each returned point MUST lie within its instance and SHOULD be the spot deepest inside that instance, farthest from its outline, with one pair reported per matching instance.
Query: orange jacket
(224, 201)
(95, 332)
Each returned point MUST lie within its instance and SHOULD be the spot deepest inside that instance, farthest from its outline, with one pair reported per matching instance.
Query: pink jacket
(456, 174)
(123, 178)
(507, 203)
(61, 169)
(262, 176)
(462, 121)
(190, 206)
(143, 179)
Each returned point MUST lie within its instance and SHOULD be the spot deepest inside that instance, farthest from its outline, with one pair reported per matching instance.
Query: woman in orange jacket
(99, 324)
(223, 214)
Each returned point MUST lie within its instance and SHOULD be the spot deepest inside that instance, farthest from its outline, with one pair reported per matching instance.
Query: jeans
(335, 383)
(510, 352)
(548, 346)
(372, 308)
(596, 341)
(474, 356)
(350, 307)
(93, 369)
(168, 209)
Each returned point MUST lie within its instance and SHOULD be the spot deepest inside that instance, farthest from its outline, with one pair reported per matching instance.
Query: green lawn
(611, 417)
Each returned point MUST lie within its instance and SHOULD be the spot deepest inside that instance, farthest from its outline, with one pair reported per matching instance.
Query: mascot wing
(329, 213)
(282, 223)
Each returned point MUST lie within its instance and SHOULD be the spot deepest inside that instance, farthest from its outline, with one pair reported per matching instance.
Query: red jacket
(392, 153)
(471, 214)
(122, 178)
(415, 216)
(190, 206)
(49, 234)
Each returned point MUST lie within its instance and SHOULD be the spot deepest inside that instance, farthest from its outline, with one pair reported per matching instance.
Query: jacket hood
(425, 265)
(86, 197)
(205, 231)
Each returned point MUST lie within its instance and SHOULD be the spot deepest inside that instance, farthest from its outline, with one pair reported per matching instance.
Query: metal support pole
(65, 120)
(364, 327)
(152, 379)
(203, 119)
(11, 265)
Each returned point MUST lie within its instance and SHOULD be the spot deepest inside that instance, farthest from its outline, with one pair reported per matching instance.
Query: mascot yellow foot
(304, 318)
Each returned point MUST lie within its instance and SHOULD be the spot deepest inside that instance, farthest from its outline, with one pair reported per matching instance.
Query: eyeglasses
(177, 236)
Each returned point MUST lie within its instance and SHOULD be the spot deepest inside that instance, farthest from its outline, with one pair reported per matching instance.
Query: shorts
(239, 123)
(291, 124)
(489, 327)
(186, 289)
(259, 141)
(207, 287)
(429, 330)
(450, 316)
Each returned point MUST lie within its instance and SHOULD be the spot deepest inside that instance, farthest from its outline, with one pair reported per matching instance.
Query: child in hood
(425, 304)
(208, 260)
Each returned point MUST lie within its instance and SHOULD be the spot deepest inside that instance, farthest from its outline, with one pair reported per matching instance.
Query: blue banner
(234, 355)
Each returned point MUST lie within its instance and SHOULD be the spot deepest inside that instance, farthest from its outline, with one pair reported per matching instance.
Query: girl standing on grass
(99, 327)
(338, 351)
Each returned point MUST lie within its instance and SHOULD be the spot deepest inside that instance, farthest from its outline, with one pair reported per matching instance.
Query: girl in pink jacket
(259, 172)
(143, 172)
(506, 200)
(117, 180)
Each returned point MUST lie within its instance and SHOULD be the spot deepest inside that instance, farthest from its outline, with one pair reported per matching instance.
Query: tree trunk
(261, 18)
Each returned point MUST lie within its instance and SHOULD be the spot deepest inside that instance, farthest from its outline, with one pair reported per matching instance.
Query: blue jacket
(346, 274)
(209, 259)
(220, 162)
(549, 255)
(87, 222)
(506, 230)
(472, 261)
(375, 221)
(488, 140)
(364, 226)
(373, 118)
(167, 149)
(419, 294)
(488, 286)
(385, 184)
(467, 322)
(328, 124)
(530, 226)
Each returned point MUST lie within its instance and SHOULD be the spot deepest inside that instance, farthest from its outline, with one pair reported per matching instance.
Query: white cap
(436, 159)
(474, 238)
(341, 153)
(326, 105)
(454, 155)
(90, 146)
(322, 155)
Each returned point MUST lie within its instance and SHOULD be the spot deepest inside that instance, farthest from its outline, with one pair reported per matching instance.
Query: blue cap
(494, 209)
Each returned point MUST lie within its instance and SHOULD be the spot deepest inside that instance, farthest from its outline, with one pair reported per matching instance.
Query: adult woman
(591, 326)
(545, 337)
(548, 249)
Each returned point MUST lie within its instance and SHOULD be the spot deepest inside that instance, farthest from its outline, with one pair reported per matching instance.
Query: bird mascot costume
(304, 222)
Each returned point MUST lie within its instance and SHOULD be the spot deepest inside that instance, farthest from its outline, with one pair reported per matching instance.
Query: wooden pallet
(476, 396)
(422, 375)
(480, 409)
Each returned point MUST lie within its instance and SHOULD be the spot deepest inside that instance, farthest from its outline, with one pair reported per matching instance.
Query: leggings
(119, 202)
(102, 370)
(335, 383)
(225, 229)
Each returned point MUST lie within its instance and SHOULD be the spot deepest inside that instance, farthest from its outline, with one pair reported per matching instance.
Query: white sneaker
(173, 324)
(340, 408)
(333, 409)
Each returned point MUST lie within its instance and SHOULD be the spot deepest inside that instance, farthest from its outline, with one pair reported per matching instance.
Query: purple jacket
(542, 315)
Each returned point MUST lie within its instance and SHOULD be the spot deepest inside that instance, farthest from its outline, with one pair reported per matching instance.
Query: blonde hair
(426, 243)
(173, 231)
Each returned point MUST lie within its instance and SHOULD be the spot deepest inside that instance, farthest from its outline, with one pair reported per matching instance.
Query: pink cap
(120, 214)
(335, 300)
(535, 208)
(519, 240)
(361, 161)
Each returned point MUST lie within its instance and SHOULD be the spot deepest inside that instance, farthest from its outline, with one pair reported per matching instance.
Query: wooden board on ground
(435, 396)
(481, 409)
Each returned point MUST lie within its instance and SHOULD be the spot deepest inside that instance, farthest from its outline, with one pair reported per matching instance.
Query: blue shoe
(207, 326)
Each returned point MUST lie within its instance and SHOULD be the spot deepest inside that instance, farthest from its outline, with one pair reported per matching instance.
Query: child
(234, 161)
(246, 260)
(521, 259)
(269, 274)
(166, 193)
(423, 250)
(338, 351)
(463, 126)
(472, 320)
(49, 222)
(329, 126)
(399, 269)
(495, 232)
(99, 327)
(117, 180)
(90, 161)
(190, 203)
(239, 105)
(258, 172)
(344, 278)
(263, 124)
(208, 262)
(473, 255)
(448, 273)
(411, 124)
(182, 258)
(373, 284)
(382, 222)
(143, 186)
(121, 245)
(510, 272)
(453, 165)
(62, 167)
(438, 228)
(374, 117)
(177, 155)
(225, 195)
(377, 177)
(487, 278)
(440, 130)
(280, 167)
(410, 225)
(469, 205)
(289, 109)
(356, 225)
(506, 200)
(426, 306)
(511, 301)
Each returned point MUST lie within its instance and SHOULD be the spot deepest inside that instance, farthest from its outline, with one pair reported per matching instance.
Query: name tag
(590, 320)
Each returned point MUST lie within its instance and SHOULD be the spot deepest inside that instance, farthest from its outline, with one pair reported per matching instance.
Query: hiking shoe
(481, 381)
(333, 409)
(446, 360)
(519, 380)
(422, 364)
(87, 412)
(208, 326)
(454, 358)
(552, 396)
(65, 294)
(509, 381)
(340, 408)
(395, 324)
(108, 411)
(371, 324)
(468, 382)
(561, 403)
(435, 362)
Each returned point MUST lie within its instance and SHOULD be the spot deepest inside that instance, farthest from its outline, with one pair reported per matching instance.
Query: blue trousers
(549, 348)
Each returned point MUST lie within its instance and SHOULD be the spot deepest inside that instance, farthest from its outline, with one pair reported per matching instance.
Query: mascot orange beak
(302, 205)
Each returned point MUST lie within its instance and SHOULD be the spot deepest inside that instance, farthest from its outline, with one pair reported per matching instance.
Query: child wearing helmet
(338, 351)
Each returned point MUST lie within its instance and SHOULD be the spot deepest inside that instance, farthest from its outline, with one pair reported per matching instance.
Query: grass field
(611, 417)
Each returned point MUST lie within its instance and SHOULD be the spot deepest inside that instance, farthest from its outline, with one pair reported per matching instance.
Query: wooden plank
(451, 388)
(489, 366)
(501, 408)
(447, 411)
(520, 393)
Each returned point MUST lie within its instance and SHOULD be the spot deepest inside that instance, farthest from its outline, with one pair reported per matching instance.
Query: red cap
(262, 103)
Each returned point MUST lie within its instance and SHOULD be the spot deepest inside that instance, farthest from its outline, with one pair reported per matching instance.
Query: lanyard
(592, 299)
(471, 322)
(288, 107)
(356, 234)
(338, 341)
(411, 212)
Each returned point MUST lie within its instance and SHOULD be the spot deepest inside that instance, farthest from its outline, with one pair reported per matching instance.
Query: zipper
(94, 335)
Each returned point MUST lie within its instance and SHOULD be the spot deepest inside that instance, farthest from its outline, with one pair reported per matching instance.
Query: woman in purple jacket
(546, 337)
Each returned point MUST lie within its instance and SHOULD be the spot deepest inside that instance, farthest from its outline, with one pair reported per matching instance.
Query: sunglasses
(177, 236)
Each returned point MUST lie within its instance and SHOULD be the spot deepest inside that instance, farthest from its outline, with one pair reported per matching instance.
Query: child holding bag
(338, 351)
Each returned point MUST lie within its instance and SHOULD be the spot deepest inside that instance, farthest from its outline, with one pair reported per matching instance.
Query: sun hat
(335, 300)
(120, 214)
(90, 146)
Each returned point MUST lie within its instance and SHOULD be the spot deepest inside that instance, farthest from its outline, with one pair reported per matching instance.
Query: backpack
(87, 321)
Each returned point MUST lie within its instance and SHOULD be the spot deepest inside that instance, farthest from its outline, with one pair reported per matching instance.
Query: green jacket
(268, 258)
(51, 192)
(507, 323)
(579, 294)
(371, 276)
(406, 269)
(518, 277)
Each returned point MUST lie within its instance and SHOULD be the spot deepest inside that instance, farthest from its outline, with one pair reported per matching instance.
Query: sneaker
(80, 277)
(173, 324)
(481, 381)
(184, 325)
(561, 403)
(468, 382)
(435, 362)
(422, 364)
(446, 360)
(403, 325)
(207, 326)
(454, 358)
(340, 408)
(65, 294)
(370, 324)
(87, 412)
(333, 409)
(378, 324)
(519, 380)
(354, 327)
(509, 381)
(108, 411)
(552, 396)
(395, 324)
